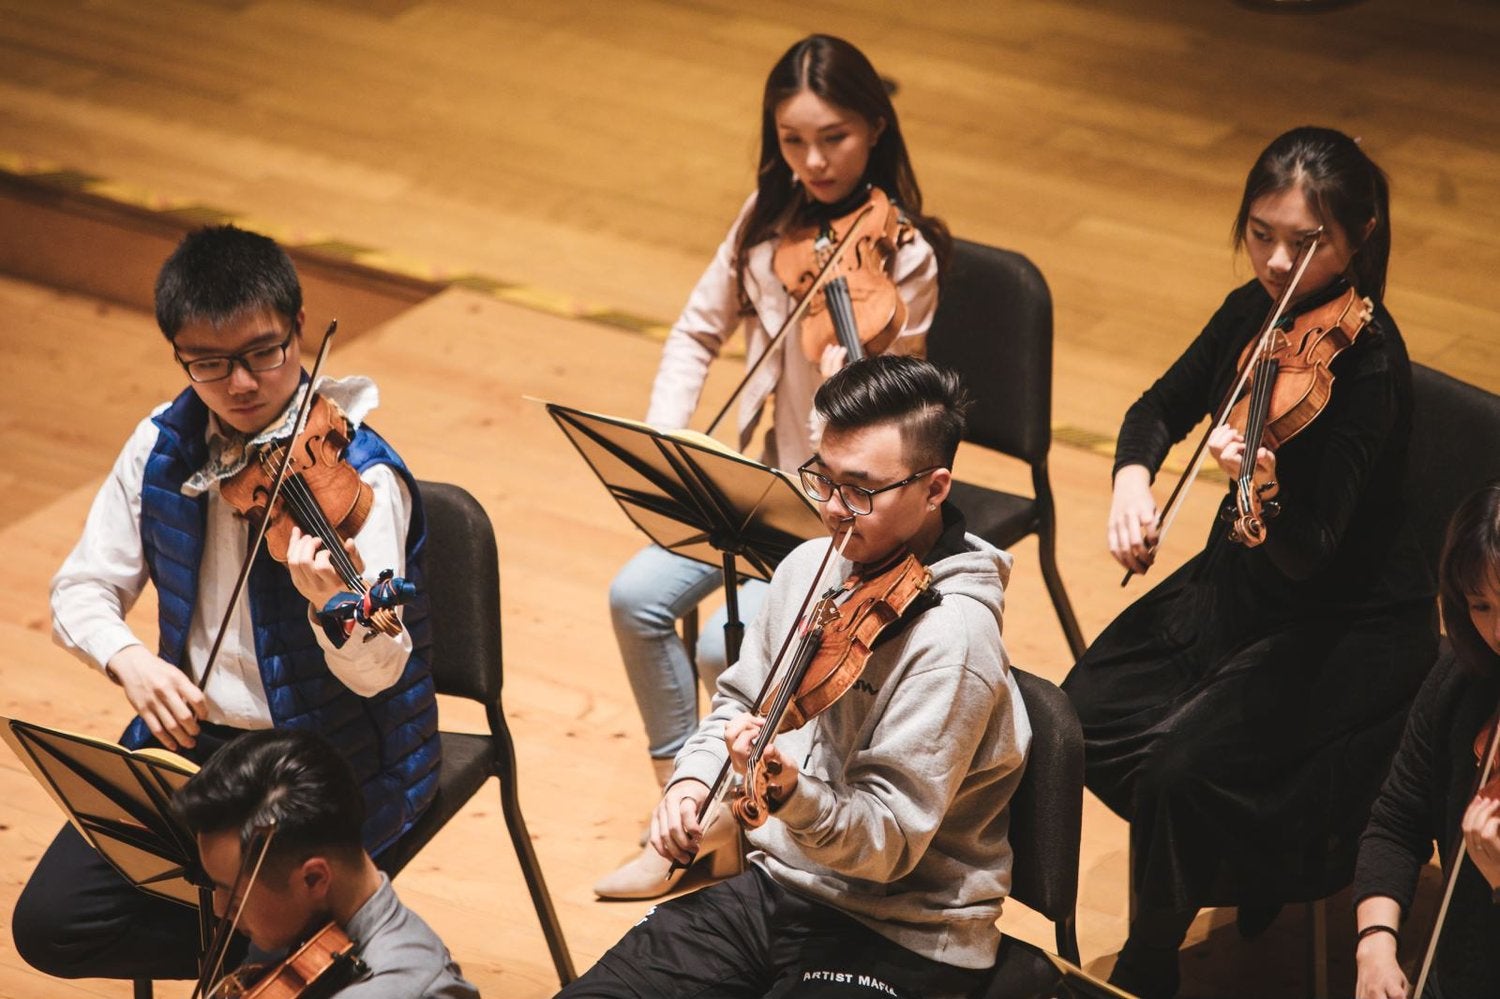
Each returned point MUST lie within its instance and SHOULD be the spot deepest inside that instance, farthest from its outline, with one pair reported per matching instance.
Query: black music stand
(117, 799)
(695, 497)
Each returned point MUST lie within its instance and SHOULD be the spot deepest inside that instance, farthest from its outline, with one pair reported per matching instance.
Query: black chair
(463, 582)
(1455, 449)
(1046, 829)
(994, 327)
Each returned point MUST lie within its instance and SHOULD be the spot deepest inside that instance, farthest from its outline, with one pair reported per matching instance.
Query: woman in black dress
(1429, 794)
(1240, 715)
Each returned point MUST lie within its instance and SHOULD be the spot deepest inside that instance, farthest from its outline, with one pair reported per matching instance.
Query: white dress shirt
(106, 571)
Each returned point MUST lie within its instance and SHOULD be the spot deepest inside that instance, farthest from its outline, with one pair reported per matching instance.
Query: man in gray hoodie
(884, 863)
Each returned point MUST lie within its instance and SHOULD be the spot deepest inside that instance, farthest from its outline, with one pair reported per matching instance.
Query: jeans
(646, 599)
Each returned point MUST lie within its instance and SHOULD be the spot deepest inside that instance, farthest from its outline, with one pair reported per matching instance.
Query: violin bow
(213, 958)
(1460, 850)
(721, 783)
(303, 411)
(1169, 512)
(822, 278)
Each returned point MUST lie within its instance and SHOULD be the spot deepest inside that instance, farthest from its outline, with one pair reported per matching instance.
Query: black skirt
(1244, 744)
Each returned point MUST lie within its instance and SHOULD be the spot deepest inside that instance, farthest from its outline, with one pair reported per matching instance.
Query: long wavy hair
(840, 74)
(1471, 560)
(1342, 186)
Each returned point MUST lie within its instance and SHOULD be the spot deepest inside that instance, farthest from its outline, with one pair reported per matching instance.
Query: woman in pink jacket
(829, 134)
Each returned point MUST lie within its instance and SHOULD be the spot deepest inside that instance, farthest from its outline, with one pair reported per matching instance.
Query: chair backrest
(994, 327)
(462, 578)
(1046, 813)
(1455, 449)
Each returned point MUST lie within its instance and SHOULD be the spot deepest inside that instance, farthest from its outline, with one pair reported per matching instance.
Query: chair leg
(1047, 544)
(1046, 536)
(142, 989)
(690, 638)
(1317, 949)
(1067, 939)
(541, 899)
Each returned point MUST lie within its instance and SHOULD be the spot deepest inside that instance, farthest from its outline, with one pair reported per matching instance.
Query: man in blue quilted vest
(230, 305)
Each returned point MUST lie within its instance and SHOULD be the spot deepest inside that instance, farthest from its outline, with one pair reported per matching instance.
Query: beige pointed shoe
(645, 875)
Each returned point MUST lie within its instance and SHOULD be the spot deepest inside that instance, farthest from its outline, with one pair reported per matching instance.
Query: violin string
(811, 638)
(338, 556)
(309, 513)
(841, 307)
(1260, 398)
(312, 514)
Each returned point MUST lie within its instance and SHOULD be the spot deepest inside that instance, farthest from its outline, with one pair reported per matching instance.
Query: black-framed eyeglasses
(215, 369)
(856, 499)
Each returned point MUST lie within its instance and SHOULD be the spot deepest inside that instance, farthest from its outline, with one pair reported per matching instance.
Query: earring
(931, 507)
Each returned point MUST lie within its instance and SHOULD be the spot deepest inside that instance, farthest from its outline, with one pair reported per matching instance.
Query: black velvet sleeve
(1408, 815)
(1193, 386)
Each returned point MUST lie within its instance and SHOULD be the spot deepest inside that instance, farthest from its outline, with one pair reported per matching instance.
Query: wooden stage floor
(590, 155)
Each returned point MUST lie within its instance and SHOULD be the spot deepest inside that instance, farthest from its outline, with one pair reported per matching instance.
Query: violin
(1306, 348)
(860, 309)
(1484, 758)
(815, 678)
(322, 494)
(1291, 382)
(838, 640)
(319, 968)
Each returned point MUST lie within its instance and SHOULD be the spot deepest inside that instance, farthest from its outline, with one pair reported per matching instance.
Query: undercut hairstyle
(1342, 185)
(218, 272)
(840, 74)
(1470, 562)
(927, 403)
(295, 780)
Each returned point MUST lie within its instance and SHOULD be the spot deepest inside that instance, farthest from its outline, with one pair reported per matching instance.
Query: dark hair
(1343, 187)
(1471, 559)
(926, 402)
(293, 778)
(218, 272)
(840, 74)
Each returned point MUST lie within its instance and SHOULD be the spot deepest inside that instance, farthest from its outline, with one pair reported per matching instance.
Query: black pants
(749, 937)
(78, 918)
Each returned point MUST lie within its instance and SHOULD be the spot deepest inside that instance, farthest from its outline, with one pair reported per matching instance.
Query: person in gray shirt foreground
(277, 814)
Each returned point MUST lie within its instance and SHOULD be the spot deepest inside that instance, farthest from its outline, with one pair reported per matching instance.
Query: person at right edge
(1240, 715)
(1430, 794)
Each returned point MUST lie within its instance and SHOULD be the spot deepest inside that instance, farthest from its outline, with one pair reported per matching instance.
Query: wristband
(1378, 928)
